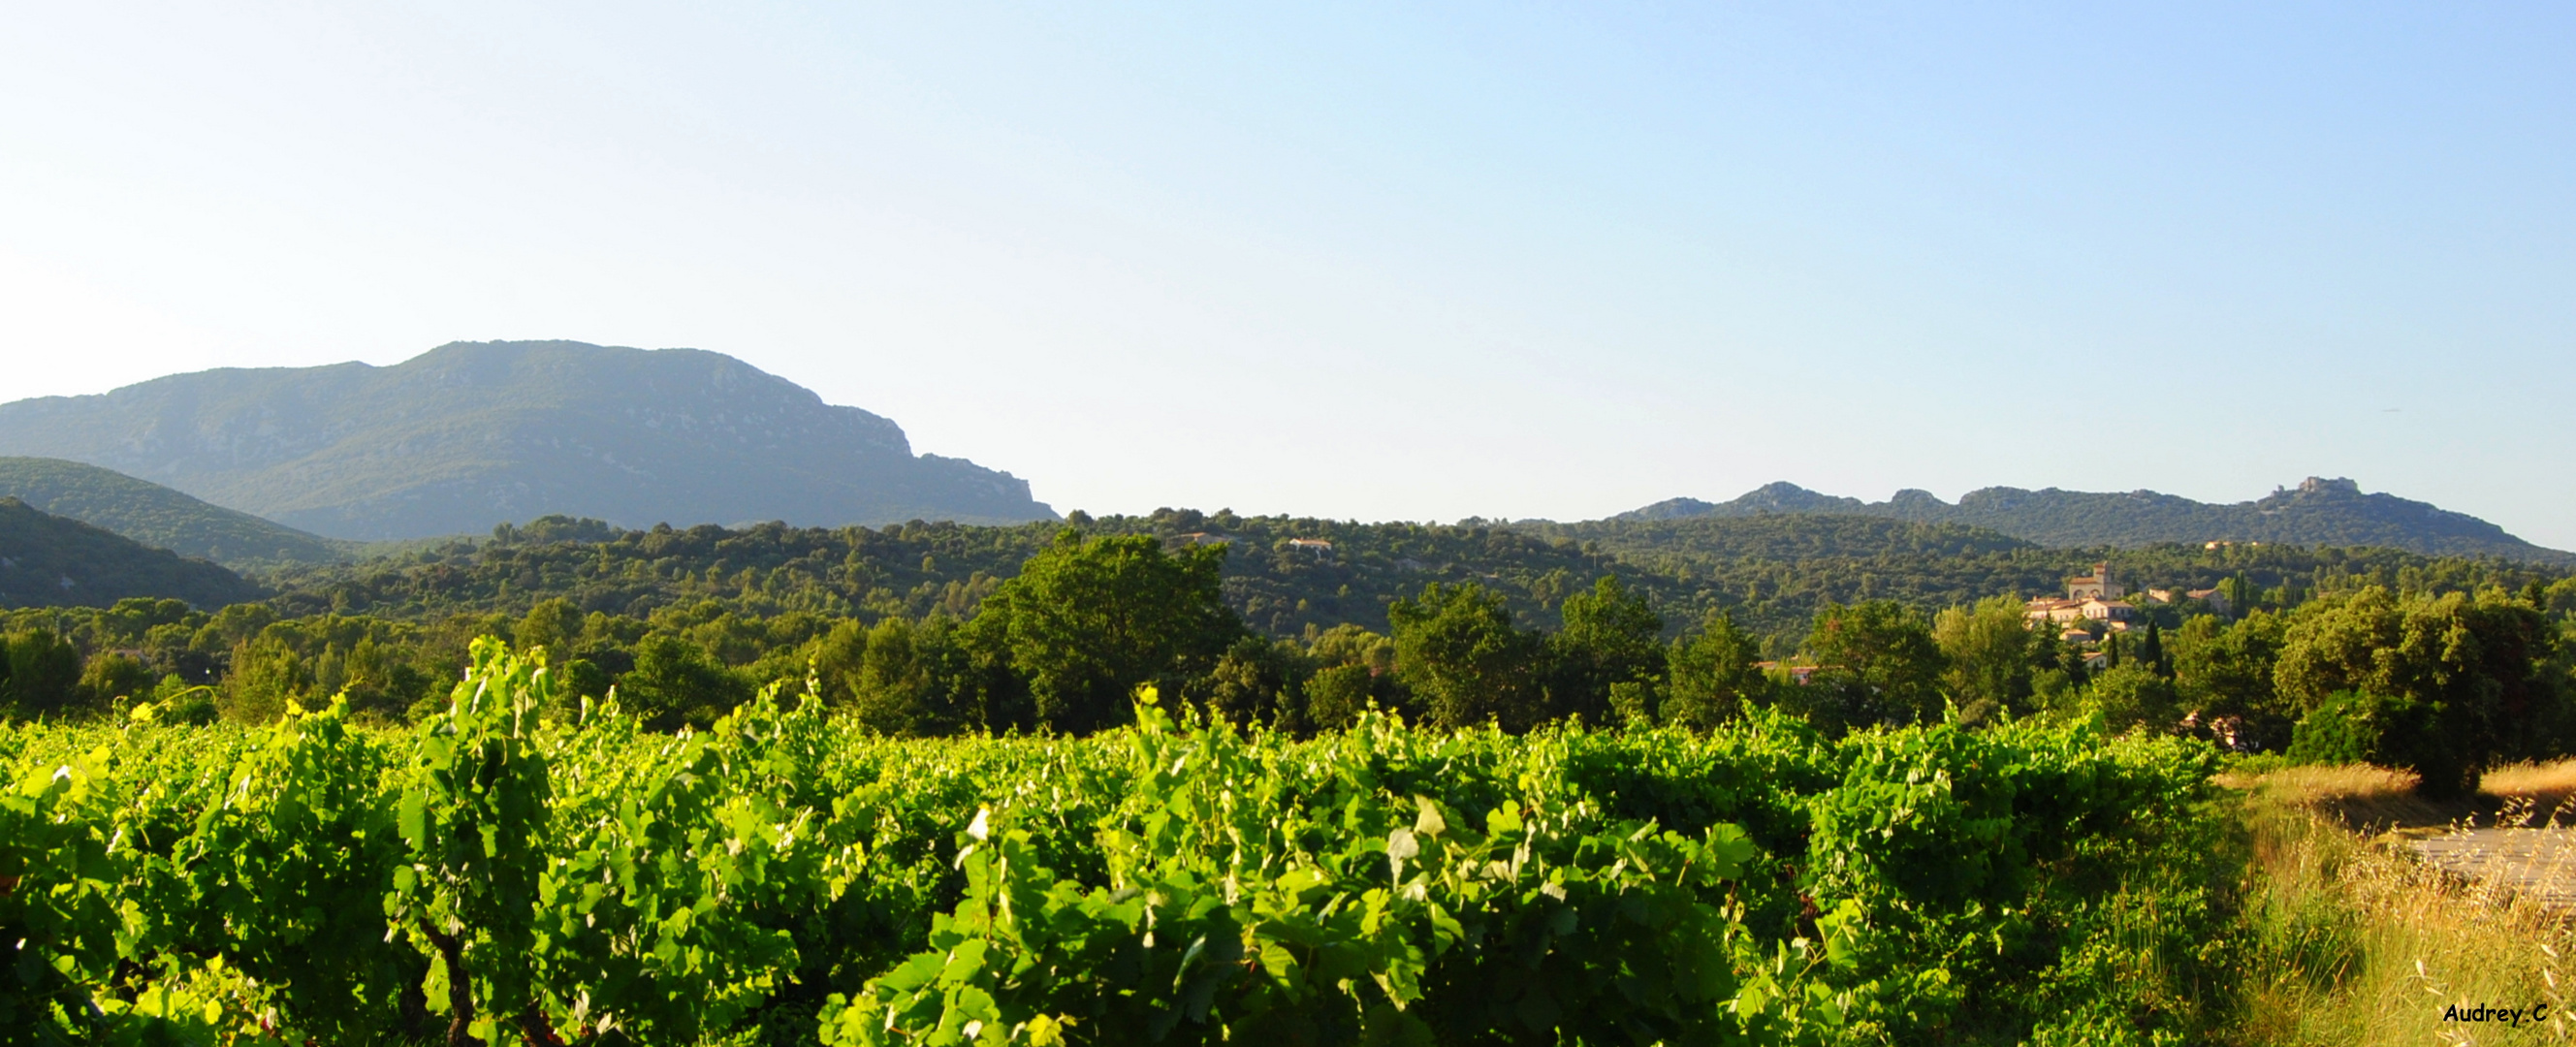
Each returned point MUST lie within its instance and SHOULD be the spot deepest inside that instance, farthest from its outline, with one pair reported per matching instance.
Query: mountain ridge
(2319, 511)
(471, 434)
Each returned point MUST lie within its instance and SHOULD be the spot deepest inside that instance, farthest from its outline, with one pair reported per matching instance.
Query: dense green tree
(1878, 664)
(43, 674)
(1257, 681)
(554, 625)
(2461, 673)
(1465, 663)
(578, 680)
(676, 683)
(1352, 669)
(2556, 598)
(232, 627)
(266, 674)
(2225, 669)
(1089, 620)
(1992, 651)
(1337, 694)
(2240, 592)
(2353, 727)
(904, 680)
(2132, 696)
(111, 676)
(836, 658)
(1611, 640)
(1711, 677)
(381, 683)
(181, 702)
(2151, 652)
(1348, 644)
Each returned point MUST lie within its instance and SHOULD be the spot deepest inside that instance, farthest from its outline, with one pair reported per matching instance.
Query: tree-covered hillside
(475, 433)
(158, 516)
(1771, 573)
(912, 569)
(49, 561)
(1774, 538)
(2317, 512)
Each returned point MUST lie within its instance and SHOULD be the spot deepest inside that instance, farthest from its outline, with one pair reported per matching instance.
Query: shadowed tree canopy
(1879, 665)
(1610, 653)
(1457, 650)
(1713, 676)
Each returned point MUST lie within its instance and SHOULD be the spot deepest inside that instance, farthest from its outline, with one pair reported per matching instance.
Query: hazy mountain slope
(2317, 512)
(158, 516)
(53, 561)
(475, 433)
(1778, 497)
(1783, 537)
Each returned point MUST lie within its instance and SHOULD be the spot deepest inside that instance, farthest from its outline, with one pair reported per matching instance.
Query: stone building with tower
(2098, 585)
(2094, 596)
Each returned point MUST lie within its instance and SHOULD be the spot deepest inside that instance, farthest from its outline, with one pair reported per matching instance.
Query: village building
(2089, 597)
(2046, 609)
(2217, 601)
(1317, 546)
(2101, 610)
(2098, 584)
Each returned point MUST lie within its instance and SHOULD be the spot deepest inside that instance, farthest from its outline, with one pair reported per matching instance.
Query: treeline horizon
(1771, 573)
(927, 630)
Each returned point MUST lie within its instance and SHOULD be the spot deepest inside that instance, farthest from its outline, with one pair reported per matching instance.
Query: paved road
(2537, 863)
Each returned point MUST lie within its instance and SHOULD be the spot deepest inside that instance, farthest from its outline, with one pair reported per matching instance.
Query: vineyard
(503, 873)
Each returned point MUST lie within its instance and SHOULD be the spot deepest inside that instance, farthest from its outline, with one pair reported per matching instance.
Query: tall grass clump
(2352, 939)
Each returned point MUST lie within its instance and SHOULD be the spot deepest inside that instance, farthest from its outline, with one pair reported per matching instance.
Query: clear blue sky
(1368, 261)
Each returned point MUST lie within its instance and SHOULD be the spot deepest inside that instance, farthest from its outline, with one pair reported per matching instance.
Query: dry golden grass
(2546, 784)
(2309, 784)
(2366, 798)
(2352, 939)
(2376, 799)
(2361, 779)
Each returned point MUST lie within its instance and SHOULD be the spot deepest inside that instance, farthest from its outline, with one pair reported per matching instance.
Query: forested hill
(472, 434)
(158, 516)
(52, 561)
(1772, 573)
(1793, 537)
(2317, 512)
